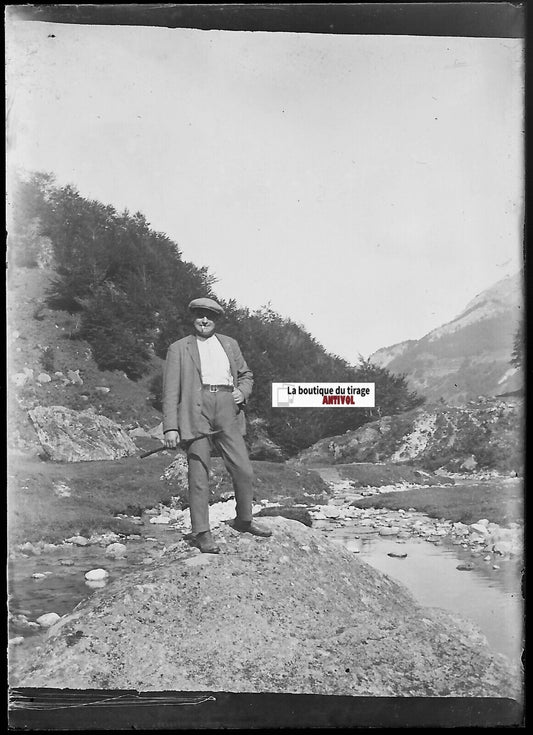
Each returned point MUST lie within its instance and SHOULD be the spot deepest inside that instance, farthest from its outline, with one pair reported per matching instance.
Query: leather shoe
(251, 527)
(204, 541)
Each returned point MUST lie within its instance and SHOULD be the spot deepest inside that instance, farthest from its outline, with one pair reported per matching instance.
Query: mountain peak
(468, 356)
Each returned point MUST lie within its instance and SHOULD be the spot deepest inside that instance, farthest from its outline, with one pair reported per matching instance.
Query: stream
(488, 594)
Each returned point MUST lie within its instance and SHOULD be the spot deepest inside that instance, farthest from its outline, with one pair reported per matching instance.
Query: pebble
(48, 619)
(78, 540)
(116, 550)
(38, 575)
(66, 562)
(495, 566)
(96, 575)
(397, 554)
(29, 548)
(465, 566)
(404, 534)
(389, 531)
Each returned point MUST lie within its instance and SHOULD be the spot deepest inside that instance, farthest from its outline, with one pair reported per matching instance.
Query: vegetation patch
(94, 493)
(501, 503)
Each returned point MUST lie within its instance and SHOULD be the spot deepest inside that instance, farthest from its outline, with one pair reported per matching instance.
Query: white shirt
(214, 362)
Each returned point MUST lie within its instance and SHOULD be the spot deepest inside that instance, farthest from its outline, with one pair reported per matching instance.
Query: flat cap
(205, 303)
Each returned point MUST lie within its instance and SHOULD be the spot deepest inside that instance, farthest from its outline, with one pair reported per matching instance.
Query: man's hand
(171, 439)
(238, 396)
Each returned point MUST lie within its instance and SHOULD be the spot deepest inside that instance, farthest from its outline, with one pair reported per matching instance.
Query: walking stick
(184, 444)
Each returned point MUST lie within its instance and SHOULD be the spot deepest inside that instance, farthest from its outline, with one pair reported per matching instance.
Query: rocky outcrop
(484, 434)
(79, 436)
(293, 613)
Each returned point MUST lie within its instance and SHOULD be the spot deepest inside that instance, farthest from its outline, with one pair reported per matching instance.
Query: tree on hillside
(128, 283)
(278, 350)
(392, 392)
(131, 290)
(27, 204)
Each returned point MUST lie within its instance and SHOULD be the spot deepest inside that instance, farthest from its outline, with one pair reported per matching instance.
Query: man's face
(204, 322)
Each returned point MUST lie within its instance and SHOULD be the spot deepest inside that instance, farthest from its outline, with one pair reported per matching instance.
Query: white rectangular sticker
(314, 395)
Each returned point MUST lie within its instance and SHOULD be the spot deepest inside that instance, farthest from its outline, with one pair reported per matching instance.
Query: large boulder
(294, 613)
(79, 436)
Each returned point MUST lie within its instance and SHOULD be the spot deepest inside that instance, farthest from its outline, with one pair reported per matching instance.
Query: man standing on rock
(205, 386)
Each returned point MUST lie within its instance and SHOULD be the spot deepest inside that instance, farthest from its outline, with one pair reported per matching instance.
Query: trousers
(219, 411)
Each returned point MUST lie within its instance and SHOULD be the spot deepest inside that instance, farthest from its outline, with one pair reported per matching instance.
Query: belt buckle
(213, 389)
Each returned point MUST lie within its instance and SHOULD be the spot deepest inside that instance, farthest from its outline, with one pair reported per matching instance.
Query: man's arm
(171, 390)
(245, 377)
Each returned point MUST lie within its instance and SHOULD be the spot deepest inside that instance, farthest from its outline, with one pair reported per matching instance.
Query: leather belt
(216, 388)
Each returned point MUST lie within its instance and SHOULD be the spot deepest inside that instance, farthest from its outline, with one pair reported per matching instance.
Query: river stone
(389, 531)
(48, 619)
(74, 377)
(79, 436)
(116, 550)
(19, 379)
(29, 548)
(264, 629)
(466, 566)
(95, 575)
(21, 622)
(78, 540)
(16, 641)
(479, 528)
(397, 554)
(66, 562)
(296, 514)
(506, 548)
(38, 575)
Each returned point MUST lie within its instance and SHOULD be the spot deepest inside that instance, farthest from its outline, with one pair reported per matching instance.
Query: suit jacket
(182, 384)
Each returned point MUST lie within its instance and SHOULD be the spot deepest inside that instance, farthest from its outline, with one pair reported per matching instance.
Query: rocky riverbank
(294, 613)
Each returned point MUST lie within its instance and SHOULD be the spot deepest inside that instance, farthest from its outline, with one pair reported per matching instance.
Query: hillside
(469, 356)
(95, 298)
(47, 367)
(483, 435)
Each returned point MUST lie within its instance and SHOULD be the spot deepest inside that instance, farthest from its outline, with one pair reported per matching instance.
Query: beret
(205, 303)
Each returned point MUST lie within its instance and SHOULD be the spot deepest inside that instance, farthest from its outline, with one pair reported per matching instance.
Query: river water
(488, 597)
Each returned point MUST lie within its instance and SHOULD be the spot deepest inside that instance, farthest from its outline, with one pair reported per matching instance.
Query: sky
(367, 187)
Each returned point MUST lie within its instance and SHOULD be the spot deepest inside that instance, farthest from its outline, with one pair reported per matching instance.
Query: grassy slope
(100, 490)
(501, 503)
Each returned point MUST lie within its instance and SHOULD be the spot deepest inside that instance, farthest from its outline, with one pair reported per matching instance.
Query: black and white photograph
(265, 365)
